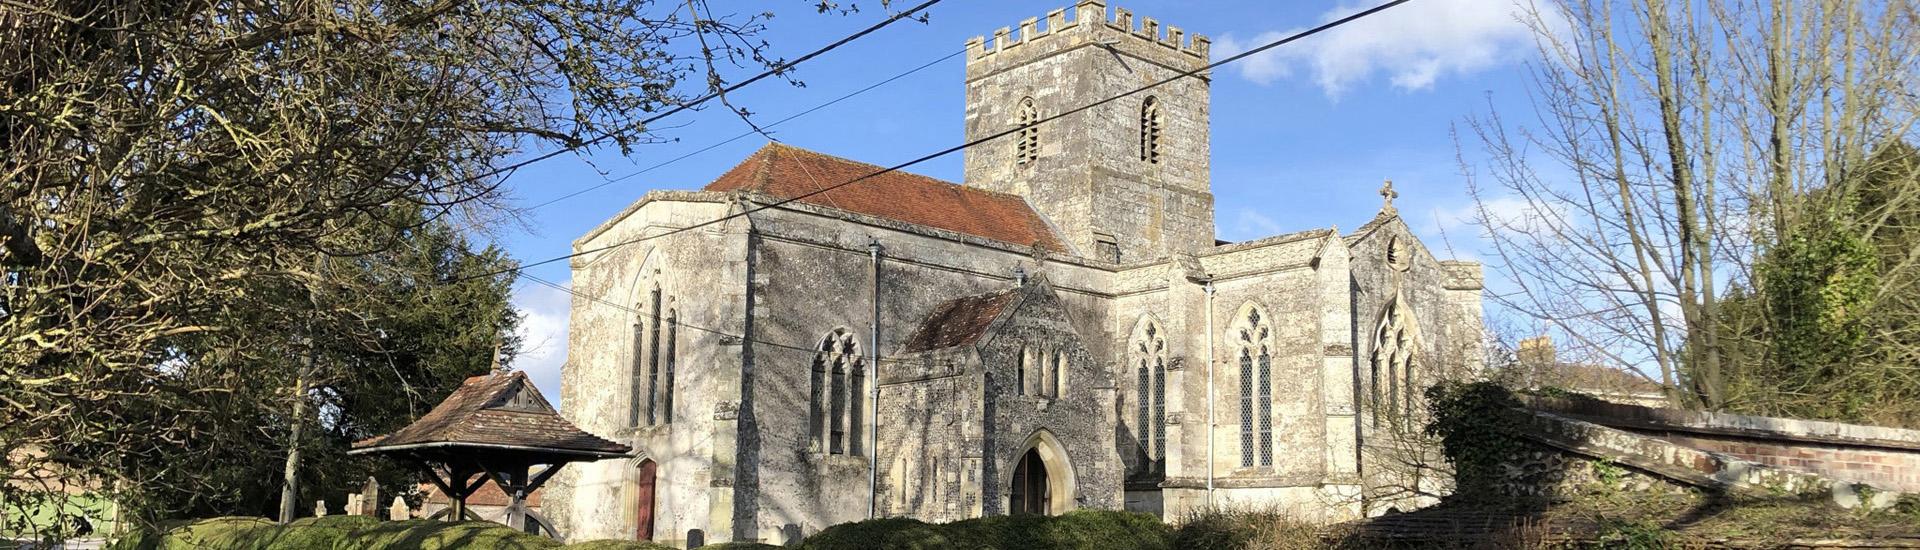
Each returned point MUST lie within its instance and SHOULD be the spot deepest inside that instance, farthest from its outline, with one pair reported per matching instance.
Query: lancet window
(1254, 340)
(1392, 362)
(1149, 357)
(650, 387)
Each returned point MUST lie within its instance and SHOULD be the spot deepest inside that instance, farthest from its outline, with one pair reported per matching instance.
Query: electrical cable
(963, 146)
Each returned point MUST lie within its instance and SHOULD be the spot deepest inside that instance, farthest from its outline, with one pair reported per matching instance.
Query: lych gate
(496, 427)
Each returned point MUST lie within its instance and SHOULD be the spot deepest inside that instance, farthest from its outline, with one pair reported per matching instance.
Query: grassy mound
(887, 533)
(1081, 530)
(228, 532)
(608, 544)
(334, 533)
(425, 534)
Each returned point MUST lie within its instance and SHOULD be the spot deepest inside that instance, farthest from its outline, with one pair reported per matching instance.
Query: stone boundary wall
(1886, 458)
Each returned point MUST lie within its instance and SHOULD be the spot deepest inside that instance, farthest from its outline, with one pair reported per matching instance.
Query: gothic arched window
(1253, 338)
(669, 358)
(638, 375)
(1150, 130)
(1025, 373)
(644, 387)
(838, 390)
(1391, 364)
(1057, 375)
(1028, 148)
(1149, 351)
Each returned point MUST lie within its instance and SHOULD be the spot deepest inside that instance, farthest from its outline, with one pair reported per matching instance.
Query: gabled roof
(787, 172)
(498, 411)
(960, 321)
(1381, 219)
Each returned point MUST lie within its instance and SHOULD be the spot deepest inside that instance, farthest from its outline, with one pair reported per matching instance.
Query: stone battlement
(1088, 16)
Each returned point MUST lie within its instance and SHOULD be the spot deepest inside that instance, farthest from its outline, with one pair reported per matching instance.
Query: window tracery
(1149, 353)
(1253, 336)
(1392, 364)
(838, 391)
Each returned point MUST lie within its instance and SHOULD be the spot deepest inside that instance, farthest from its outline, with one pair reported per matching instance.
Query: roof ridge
(877, 168)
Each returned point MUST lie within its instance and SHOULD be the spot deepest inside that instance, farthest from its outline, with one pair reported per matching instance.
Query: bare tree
(175, 171)
(1668, 143)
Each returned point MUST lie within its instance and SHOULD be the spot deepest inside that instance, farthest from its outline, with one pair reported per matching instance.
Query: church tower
(1123, 182)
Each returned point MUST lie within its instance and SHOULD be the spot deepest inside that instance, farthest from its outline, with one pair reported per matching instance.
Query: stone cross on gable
(1388, 194)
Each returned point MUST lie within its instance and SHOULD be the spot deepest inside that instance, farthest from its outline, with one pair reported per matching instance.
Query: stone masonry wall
(703, 274)
(1885, 458)
(930, 451)
(1089, 178)
(1079, 420)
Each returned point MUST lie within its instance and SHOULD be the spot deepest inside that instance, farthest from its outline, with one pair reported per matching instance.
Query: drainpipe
(873, 409)
(1210, 405)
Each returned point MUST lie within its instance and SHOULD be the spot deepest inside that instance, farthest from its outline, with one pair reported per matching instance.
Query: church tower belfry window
(1027, 149)
(1150, 130)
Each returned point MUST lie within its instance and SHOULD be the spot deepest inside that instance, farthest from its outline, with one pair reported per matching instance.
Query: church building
(1059, 331)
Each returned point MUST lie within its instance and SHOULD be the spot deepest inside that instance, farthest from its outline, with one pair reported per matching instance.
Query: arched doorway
(1043, 479)
(1031, 494)
(643, 499)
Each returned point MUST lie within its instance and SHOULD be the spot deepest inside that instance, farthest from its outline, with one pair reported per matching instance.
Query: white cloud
(1413, 45)
(1249, 224)
(543, 336)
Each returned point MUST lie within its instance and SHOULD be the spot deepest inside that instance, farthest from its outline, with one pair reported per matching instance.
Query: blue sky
(1302, 135)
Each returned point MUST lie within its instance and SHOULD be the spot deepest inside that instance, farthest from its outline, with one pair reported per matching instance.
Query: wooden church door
(643, 498)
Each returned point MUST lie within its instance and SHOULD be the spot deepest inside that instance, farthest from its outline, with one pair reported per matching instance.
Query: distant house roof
(495, 411)
(789, 172)
(960, 321)
(1598, 378)
(489, 494)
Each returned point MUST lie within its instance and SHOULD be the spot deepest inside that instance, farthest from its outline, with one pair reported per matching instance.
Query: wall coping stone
(1634, 417)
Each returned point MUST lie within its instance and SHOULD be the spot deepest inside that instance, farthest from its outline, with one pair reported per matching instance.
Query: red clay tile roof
(787, 172)
(496, 410)
(959, 322)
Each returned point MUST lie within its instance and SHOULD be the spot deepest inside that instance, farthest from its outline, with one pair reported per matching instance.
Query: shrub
(1261, 528)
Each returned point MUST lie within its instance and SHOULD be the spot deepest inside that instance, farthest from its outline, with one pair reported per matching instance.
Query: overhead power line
(779, 69)
(963, 146)
(656, 316)
(747, 133)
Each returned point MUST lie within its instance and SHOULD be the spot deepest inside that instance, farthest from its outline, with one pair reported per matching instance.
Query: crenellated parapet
(1089, 17)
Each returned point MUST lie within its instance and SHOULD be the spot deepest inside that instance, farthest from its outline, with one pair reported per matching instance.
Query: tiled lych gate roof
(788, 172)
(500, 410)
